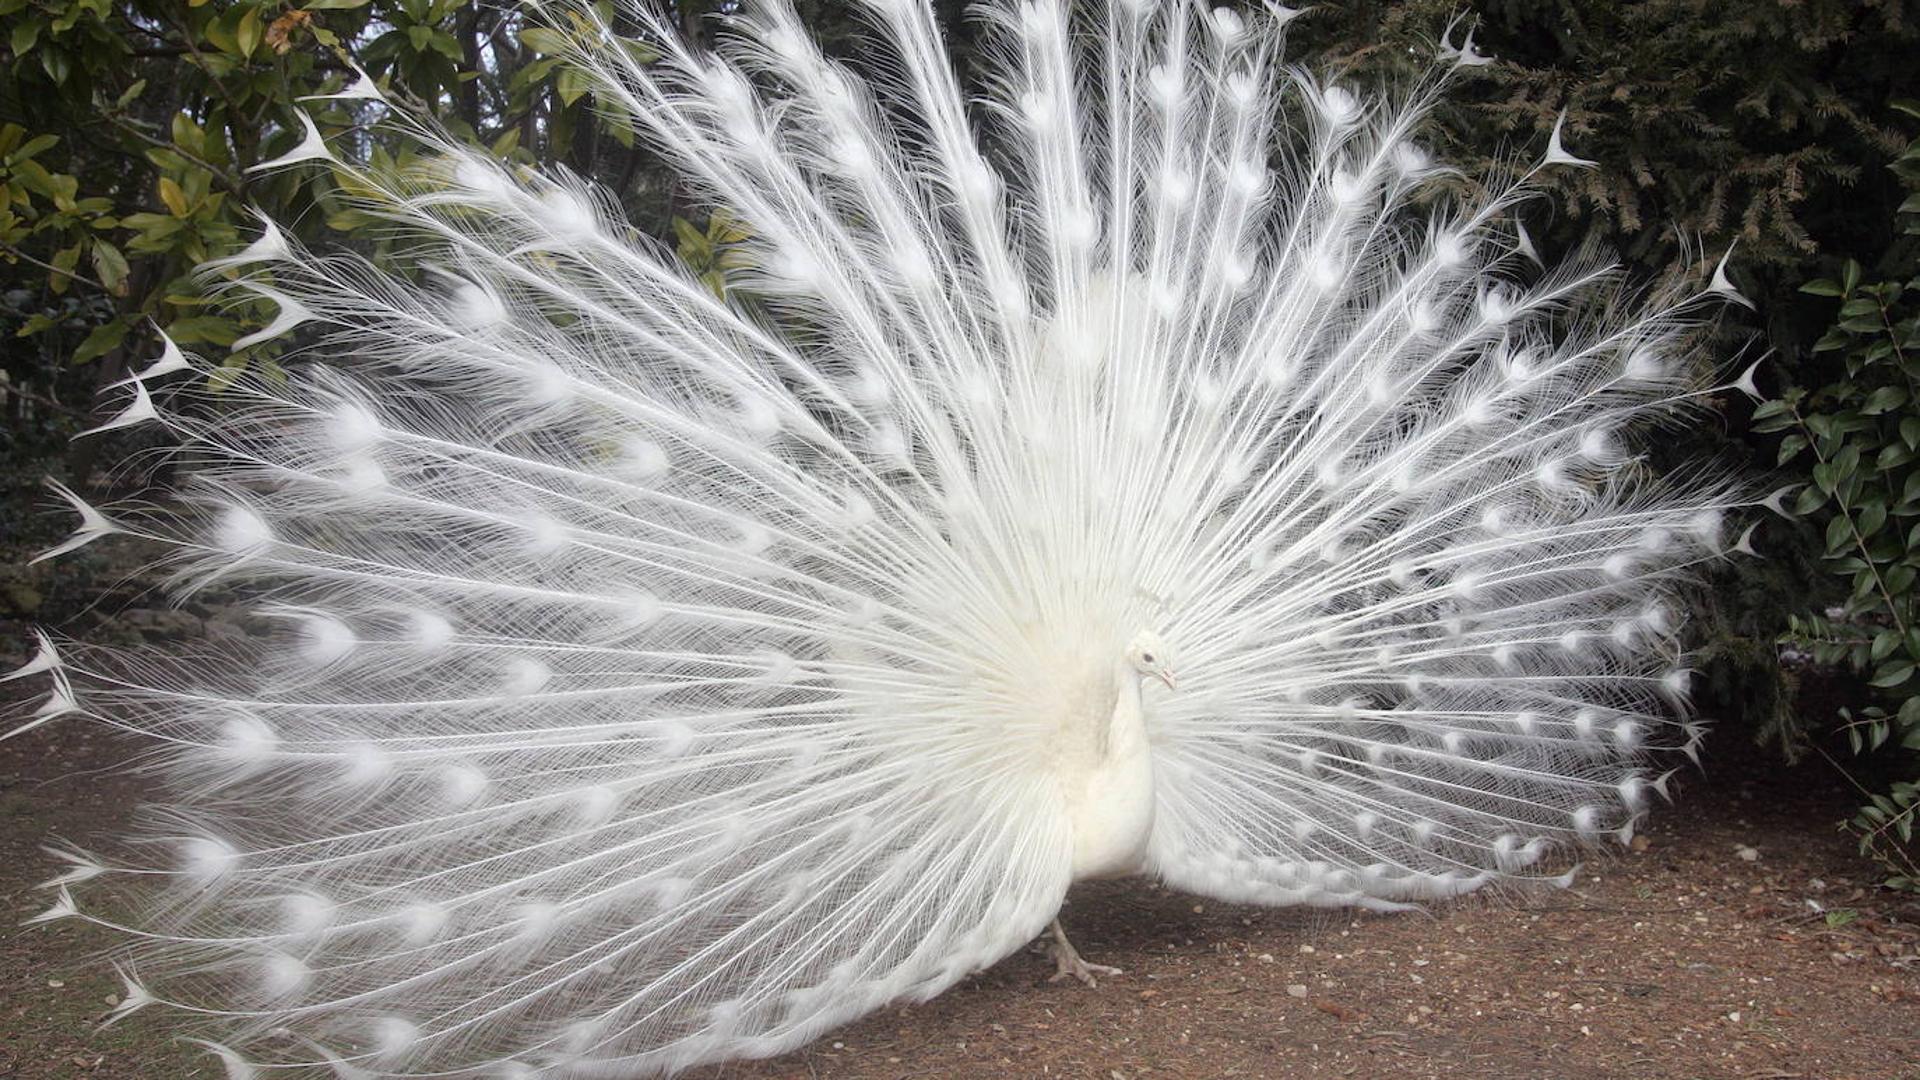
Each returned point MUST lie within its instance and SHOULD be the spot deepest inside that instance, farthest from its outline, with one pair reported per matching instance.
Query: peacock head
(1151, 658)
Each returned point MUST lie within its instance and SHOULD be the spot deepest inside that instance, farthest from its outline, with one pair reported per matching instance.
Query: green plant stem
(1853, 527)
(1913, 391)
(1899, 354)
(233, 182)
(1896, 857)
(83, 279)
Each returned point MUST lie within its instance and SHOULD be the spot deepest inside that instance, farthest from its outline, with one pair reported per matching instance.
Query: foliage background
(128, 129)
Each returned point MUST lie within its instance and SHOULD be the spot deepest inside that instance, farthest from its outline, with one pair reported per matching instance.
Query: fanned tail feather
(658, 678)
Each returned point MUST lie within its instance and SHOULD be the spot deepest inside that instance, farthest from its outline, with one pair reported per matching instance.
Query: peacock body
(1175, 488)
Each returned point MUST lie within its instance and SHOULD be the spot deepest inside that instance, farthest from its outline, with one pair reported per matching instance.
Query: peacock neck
(1126, 731)
(1110, 801)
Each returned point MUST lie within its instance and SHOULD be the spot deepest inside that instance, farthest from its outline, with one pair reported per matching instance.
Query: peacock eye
(1148, 657)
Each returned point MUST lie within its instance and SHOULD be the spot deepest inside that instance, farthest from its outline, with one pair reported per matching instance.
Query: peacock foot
(1068, 962)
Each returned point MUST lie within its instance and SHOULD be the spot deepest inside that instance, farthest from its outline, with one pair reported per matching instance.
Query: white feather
(660, 683)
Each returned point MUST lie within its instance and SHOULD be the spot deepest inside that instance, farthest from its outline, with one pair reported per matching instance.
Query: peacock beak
(1165, 675)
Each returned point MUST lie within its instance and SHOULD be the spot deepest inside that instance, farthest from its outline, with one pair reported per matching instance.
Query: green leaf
(1839, 533)
(208, 329)
(172, 197)
(35, 178)
(57, 64)
(156, 232)
(1892, 675)
(247, 34)
(188, 135)
(572, 85)
(25, 33)
(349, 220)
(1885, 399)
(1901, 579)
(110, 267)
(1825, 476)
(1870, 519)
(544, 41)
(32, 147)
(63, 262)
(1831, 340)
(37, 324)
(333, 5)
(444, 44)
(219, 32)
(1884, 643)
(640, 52)
(104, 337)
(1822, 287)
(1811, 498)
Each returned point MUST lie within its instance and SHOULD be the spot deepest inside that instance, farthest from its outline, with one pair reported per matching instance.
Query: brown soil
(1737, 938)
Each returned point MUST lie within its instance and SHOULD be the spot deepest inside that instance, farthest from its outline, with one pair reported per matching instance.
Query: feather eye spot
(364, 763)
(304, 914)
(429, 631)
(1243, 90)
(421, 922)
(525, 677)
(246, 742)
(462, 784)
(241, 532)
(644, 459)
(283, 976)
(394, 1037)
(206, 860)
(325, 640)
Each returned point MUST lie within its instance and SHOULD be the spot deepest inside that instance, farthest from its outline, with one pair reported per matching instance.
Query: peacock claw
(1069, 964)
(1080, 969)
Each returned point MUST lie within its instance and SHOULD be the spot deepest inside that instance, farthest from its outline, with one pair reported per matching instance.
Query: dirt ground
(1738, 937)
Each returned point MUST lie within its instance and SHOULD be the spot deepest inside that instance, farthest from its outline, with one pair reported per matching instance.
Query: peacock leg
(1067, 959)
